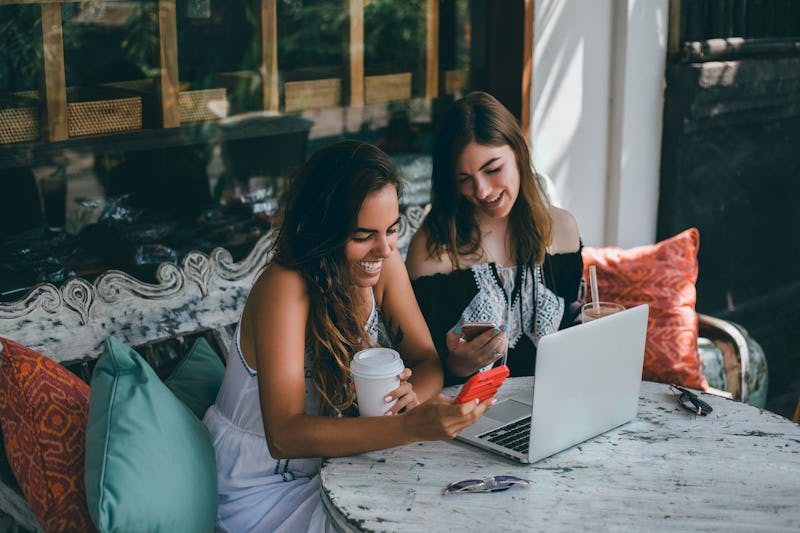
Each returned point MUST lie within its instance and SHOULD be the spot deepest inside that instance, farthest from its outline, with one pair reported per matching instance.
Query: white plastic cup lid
(376, 363)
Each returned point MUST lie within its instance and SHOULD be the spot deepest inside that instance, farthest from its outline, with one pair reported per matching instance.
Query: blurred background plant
(21, 58)
(311, 34)
(393, 33)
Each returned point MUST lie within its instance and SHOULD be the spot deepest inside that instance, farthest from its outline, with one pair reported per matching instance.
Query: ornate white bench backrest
(206, 291)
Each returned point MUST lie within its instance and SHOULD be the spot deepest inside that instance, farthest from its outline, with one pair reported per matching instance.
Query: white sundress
(257, 492)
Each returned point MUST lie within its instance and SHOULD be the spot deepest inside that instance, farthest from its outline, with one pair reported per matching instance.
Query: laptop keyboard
(515, 435)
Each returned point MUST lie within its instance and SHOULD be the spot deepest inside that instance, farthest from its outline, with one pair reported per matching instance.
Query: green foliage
(141, 39)
(310, 33)
(21, 58)
(83, 31)
(393, 32)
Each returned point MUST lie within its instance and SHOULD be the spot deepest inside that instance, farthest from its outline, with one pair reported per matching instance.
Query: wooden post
(167, 85)
(674, 31)
(527, 70)
(269, 56)
(354, 52)
(54, 121)
(432, 50)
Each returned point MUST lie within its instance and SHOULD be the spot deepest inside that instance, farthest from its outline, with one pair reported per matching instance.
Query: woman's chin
(501, 210)
(363, 278)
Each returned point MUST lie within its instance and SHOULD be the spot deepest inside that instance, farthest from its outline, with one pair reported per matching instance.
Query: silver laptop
(587, 381)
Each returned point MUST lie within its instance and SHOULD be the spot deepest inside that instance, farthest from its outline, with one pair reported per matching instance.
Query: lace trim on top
(507, 275)
(372, 327)
(491, 304)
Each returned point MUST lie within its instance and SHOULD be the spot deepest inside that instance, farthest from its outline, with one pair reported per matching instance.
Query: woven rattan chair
(735, 363)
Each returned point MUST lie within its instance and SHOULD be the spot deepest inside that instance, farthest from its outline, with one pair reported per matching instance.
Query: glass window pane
(253, 88)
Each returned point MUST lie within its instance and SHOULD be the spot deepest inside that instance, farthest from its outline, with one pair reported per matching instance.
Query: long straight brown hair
(320, 214)
(451, 224)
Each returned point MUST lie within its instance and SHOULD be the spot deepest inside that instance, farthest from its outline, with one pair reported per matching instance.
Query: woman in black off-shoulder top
(492, 248)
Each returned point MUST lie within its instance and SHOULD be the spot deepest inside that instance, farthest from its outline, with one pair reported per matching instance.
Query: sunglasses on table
(690, 401)
(487, 484)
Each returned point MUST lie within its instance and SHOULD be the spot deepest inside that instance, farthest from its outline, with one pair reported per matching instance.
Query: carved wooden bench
(202, 295)
(205, 293)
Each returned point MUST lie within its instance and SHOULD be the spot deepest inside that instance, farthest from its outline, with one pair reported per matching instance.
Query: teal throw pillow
(149, 461)
(196, 379)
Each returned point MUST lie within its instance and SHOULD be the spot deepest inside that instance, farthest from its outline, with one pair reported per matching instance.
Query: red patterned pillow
(662, 275)
(44, 409)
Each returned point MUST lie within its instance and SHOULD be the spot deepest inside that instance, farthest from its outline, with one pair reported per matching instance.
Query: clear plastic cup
(593, 311)
(375, 372)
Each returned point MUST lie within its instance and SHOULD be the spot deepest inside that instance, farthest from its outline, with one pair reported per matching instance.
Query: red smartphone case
(482, 385)
(470, 330)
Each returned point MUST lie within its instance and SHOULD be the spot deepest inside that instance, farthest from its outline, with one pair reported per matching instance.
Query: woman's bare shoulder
(420, 263)
(275, 312)
(566, 235)
(277, 283)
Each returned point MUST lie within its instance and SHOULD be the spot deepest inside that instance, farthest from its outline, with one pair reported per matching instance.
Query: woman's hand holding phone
(443, 418)
(475, 345)
(482, 385)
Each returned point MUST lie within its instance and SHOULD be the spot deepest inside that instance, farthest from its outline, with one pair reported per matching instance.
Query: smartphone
(482, 385)
(470, 330)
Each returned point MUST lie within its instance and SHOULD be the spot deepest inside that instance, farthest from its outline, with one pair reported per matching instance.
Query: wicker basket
(387, 88)
(19, 121)
(194, 105)
(312, 94)
(91, 112)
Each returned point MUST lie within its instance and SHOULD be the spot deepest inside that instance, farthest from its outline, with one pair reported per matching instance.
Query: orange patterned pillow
(662, 275)
(44, 409)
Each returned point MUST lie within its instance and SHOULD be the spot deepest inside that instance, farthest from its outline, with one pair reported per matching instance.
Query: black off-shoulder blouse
(477, 293)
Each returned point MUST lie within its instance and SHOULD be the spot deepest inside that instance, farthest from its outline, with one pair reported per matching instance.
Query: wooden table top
(736, 469)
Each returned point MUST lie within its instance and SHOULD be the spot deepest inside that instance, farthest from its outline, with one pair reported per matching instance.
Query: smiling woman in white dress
(286, 398)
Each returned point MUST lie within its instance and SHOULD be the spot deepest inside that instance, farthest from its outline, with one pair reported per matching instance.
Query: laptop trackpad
(509, 410)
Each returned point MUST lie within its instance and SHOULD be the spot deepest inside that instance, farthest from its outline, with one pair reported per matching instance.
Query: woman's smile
(492, 202)
(371, 267)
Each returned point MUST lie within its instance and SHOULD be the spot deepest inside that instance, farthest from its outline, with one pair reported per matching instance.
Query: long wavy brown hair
(451, 224)
(319, 215)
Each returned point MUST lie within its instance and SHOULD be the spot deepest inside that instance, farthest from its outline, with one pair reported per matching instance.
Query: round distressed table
(735, 469)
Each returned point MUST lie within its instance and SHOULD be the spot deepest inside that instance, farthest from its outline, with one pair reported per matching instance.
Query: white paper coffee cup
(375, 372)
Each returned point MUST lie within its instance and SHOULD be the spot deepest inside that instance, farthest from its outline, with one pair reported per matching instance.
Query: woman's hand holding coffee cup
(381, 379)
(406, 398)
(400, 399)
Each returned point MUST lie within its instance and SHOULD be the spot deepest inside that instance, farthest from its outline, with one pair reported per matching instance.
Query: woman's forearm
(319, 436)
(459, 367)
(427, 378)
